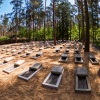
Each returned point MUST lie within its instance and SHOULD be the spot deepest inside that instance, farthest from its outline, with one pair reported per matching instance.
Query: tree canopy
(33, 20)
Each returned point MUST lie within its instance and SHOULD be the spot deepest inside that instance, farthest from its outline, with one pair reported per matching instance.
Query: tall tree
(54, 34)
(5, 23)
(63, 14)
(16, 9)
(80, 6)
(87, 36)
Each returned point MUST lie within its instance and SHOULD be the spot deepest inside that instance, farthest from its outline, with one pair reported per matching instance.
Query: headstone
(8, 59)
(64, 55)
(57, 69)
(39, 53)
(77, 55)
(91, 56)
(81, 71)
(19, 62)
(36, 66)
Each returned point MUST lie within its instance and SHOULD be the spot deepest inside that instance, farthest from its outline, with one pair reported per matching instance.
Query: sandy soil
(13, 88)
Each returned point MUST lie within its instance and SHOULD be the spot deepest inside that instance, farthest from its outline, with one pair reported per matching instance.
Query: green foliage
(97, 41)
(63, 13)
(3, 38)
(23, 32)
(75, 32)
(98, 34)
(40, 34)
(49, 33)
(37, 35)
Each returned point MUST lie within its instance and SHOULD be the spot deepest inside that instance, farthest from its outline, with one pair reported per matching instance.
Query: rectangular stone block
(81, 71)
(57, 69)
(19, 62)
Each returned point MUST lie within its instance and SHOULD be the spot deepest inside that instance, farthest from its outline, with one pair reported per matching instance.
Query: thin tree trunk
(33, 24)
(70, 30)
(57, 30)
(79, 23)
(79, 30)
(44, 30)
(54, 35)
(29, 27)
(92, 22)
(16, 24)
(83, 35)
(44, 21)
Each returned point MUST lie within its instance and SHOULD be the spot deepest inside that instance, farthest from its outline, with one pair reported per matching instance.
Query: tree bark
(83, 35)
(54, 35)
(87, 37)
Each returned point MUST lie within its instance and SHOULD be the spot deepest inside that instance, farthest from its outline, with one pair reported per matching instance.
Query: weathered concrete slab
(26, 75)
(78, 56)
(67, 51)
(39, 53)
(93, 60)
(81, 71)
(91, 56)
(35, 66)
(82, 84)
(8, 59)
(19, 62)
(57, 69)
(76, 51)
(53, 80)
(64, 55)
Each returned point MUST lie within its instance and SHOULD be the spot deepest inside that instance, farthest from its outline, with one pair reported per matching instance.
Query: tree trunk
(44, 30)
(79, 30)
(57, 30)
(29, 27)
(62, 26)
(54, 35)
(70, 30)
(83, 35)
(79, 23)
(87, 37)
(33, 25)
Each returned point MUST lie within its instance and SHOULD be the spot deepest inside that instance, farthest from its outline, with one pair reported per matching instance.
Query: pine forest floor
(13, 88)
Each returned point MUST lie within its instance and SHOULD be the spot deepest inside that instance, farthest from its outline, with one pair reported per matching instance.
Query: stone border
(24, 78)
(35, 57)
(4, 63)
(60, 60)
(80, 62)
(50, 85)
(94, 63)
(82, 90)
(5, 70)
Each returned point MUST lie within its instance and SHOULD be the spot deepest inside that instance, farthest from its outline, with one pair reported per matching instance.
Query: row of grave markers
(54, 77)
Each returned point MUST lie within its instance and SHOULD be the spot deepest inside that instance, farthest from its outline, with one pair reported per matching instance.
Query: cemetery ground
(14, 88)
